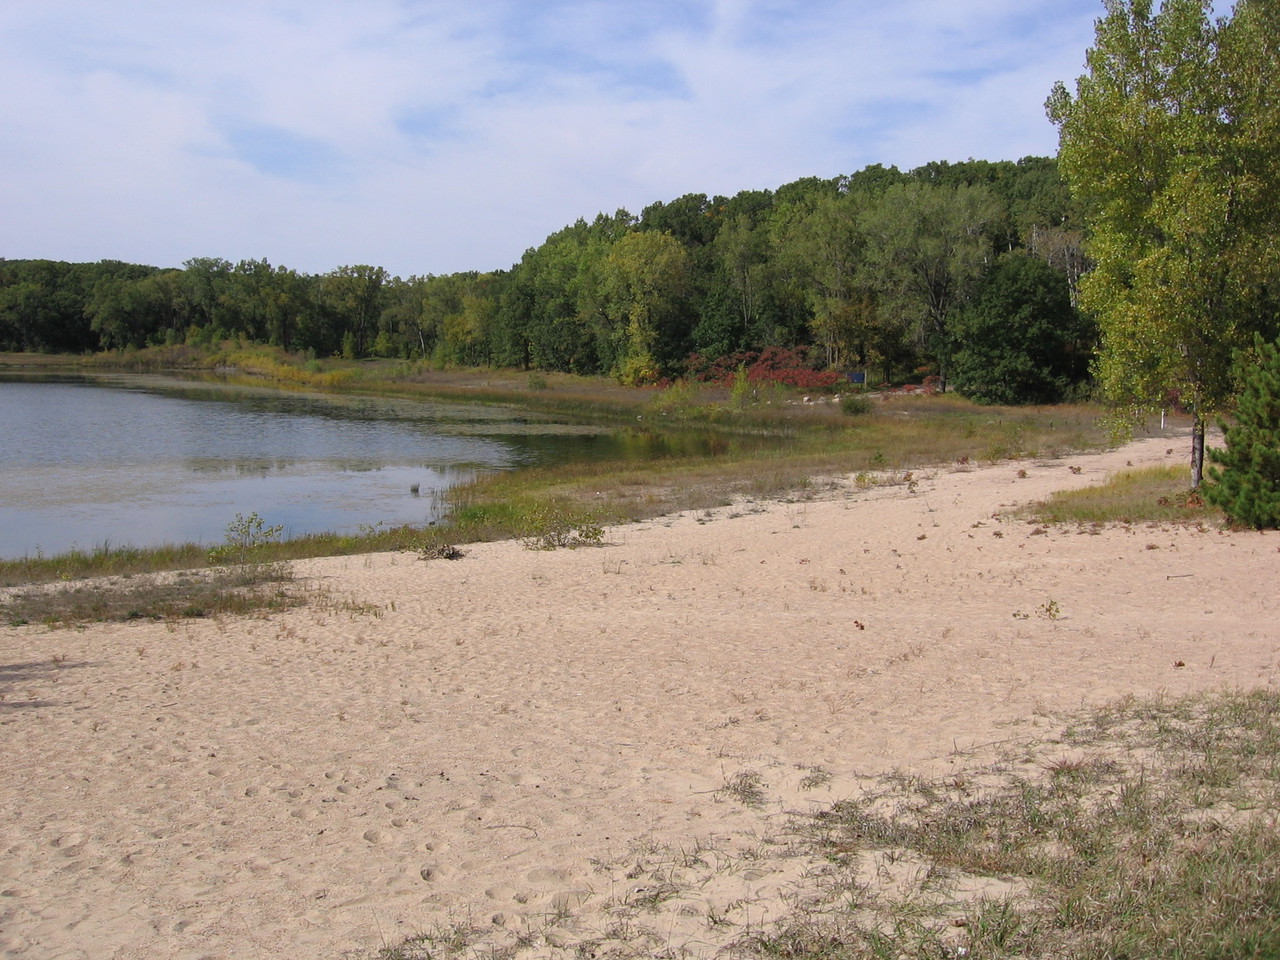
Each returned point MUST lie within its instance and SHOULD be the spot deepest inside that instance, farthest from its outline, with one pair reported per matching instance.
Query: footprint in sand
(569, 899)
(68, 842)
(547, 876)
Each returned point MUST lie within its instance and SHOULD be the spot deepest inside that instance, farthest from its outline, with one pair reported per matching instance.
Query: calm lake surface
(143, 460)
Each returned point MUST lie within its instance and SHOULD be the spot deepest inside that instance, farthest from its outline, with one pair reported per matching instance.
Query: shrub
(245, 535)
(856, 404)
(791, 367)
(556, 525)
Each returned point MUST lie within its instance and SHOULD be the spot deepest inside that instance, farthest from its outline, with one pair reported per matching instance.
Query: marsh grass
(800, 442)
(1147, 495)
(1156, 836)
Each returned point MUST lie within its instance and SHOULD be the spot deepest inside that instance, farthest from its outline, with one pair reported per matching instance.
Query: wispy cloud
(438, 135)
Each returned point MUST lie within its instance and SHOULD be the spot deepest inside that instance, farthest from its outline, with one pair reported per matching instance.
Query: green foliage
(1159, 144)
(862, 270)
(1246, 474)
(556, 525)
(1020, 340)
(856, 404)
(244, 538)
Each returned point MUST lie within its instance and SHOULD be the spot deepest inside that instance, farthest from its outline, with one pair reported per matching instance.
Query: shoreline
(502, 737)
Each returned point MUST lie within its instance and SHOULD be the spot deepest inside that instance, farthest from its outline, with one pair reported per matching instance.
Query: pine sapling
(1246, 474)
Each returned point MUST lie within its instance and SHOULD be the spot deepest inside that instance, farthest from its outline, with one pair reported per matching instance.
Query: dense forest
(963, 271)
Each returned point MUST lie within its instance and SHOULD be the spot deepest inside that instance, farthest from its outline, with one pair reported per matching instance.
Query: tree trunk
(1197, 451)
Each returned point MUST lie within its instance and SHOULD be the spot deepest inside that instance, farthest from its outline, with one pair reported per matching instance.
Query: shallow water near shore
(144, 460)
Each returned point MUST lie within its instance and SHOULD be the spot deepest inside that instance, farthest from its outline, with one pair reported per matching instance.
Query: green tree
(206, 286)
(129, 306)
(742, 263)
(355, 297)
(825, 249)
(644, 284)
(926, 247)
(1019, 340)
(1246, 474)
(1158, 147)
(42, 305)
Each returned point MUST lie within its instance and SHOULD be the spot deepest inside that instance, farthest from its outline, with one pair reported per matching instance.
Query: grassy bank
(798, 441)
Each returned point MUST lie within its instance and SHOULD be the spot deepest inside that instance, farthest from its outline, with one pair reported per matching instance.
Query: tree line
(963, 270)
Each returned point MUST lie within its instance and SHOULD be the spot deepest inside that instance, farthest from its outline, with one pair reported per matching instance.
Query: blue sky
(429, 136)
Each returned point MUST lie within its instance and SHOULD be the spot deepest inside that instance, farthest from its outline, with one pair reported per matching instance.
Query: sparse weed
(440, 551)
(1158, 841)
(1049, 610)
(815, 778)
(746, 787)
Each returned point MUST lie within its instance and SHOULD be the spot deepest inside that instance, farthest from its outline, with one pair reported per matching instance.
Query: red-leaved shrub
(770, 365)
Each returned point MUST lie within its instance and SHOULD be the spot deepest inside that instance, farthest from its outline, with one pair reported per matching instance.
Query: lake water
(141, 460)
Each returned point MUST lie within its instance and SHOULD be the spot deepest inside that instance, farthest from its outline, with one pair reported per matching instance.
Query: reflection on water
(145, 460)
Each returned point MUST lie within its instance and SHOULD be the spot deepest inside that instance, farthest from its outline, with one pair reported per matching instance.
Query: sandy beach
(527, 742)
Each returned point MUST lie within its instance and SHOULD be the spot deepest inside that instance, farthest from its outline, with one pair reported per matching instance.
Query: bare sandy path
(514, 739)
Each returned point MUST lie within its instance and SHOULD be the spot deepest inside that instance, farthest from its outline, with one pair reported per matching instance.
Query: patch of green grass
(1145, 495)
(1157, 838)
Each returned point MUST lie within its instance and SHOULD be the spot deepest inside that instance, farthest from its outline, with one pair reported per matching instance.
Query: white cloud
(434, 135)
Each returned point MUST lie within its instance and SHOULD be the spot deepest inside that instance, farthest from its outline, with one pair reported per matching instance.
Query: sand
(535, 747)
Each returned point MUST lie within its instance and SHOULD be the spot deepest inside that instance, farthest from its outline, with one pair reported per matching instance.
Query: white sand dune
(537, 744)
